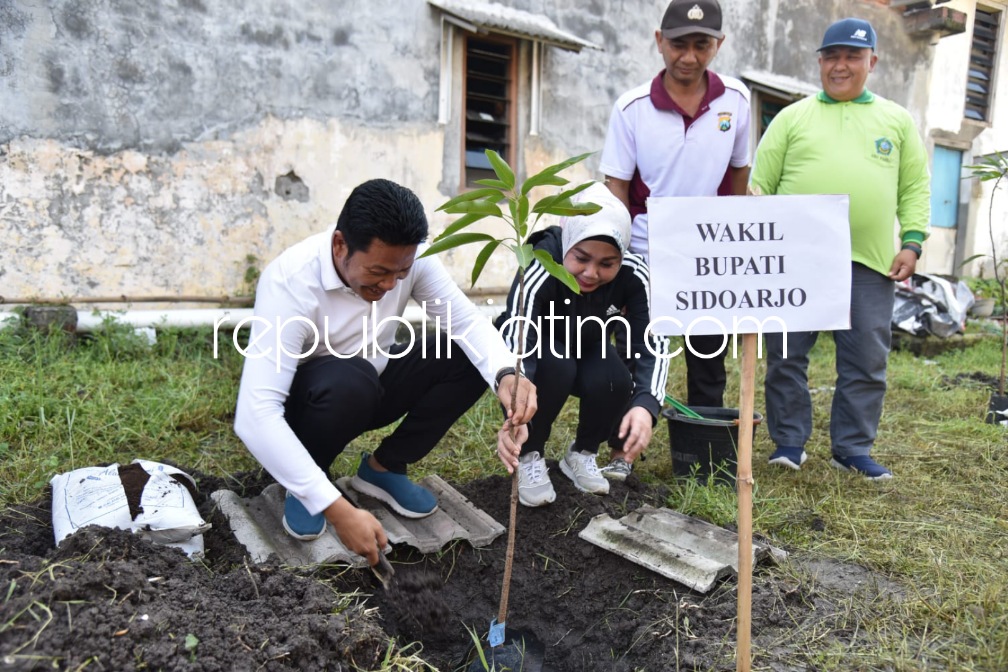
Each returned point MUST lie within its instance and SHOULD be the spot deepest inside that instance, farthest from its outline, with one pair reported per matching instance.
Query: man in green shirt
(846, 140)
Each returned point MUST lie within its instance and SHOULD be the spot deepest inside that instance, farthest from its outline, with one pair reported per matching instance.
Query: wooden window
(488, 122)
(983, 55)
(768, 106)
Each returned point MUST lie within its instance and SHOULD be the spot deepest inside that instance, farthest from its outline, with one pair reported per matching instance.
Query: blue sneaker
(861, 464)
(404, 496)
(788, 456)
(299, 523)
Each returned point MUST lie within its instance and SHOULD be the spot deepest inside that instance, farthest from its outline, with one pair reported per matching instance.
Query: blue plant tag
(496, 636)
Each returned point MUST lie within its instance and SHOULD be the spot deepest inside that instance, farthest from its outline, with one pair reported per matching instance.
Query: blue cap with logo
(849, 33)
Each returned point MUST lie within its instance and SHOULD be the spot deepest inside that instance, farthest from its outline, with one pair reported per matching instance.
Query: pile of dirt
(107, 600)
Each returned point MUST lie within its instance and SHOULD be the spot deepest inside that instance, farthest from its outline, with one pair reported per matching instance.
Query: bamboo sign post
(744, 480)
(507, 199)
(739, 267)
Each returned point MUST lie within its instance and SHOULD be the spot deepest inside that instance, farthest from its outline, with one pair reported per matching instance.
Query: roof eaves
(490, 17)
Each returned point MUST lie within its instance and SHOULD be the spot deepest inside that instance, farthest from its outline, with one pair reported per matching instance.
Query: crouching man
(322, 367)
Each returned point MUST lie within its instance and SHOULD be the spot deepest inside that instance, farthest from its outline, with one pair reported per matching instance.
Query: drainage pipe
(89, 320)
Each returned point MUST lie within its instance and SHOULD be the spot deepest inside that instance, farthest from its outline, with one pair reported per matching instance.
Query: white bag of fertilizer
(149, 498)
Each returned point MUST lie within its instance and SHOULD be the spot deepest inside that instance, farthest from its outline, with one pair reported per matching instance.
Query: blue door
(946, 174)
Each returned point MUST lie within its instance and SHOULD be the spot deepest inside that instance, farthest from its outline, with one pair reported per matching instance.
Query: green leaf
(496, 184)
(515, 222)
(550, 204)
(550, 172)
(503, 170)
(545, 203)
(557, 167)
(451, 242)
(485, 208)
(191, 642)
(459, 224)
(525, 255)
(523, 213)
(542, 180)
(481, 260)
(474, 195)
(568, 209)
(973, 258)
(556, 270)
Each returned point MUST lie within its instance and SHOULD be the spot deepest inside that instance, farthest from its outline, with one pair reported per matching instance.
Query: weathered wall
(150, 148)
(145, 145)
(946, 125)
(107, 75)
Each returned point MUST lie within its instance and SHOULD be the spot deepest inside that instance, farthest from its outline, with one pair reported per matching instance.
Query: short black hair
(384, 210)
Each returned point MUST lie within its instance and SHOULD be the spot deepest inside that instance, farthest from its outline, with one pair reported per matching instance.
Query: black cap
(687, 17)
(849, 33)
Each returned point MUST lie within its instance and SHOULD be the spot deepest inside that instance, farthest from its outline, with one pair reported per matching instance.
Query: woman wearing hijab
(567, 349)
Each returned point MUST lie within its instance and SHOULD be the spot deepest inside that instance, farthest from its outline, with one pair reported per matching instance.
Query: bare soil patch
(107, 600)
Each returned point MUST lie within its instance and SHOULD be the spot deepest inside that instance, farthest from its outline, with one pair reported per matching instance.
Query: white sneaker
(617, 470)
(581, 468)
(534, 485)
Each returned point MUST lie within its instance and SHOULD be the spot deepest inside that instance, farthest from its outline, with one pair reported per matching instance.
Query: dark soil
(107, 600)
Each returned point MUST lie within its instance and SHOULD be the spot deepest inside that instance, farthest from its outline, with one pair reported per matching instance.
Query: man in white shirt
(322, 366)
(684, 133)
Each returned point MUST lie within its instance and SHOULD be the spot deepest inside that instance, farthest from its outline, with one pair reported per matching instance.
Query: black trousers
(603, 386)
(705, 378)
(332, 401)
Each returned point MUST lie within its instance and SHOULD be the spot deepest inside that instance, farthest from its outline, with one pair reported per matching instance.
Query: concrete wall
(946, 125)
(164, 147)
(150, 148)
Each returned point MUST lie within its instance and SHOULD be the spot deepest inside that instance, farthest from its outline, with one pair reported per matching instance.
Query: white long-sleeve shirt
(304, 310)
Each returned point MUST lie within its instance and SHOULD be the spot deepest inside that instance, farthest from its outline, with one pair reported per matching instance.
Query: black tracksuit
(608, 385)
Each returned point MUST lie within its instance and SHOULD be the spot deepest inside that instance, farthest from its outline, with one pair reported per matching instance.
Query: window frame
(978, 106)
(466, 114)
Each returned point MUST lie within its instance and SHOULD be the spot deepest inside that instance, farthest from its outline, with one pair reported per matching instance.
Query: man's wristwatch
(915, 247)
(502, 374)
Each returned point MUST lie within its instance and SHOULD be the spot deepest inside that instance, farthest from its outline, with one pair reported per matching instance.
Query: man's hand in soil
(509, 446)
(357, 529)
(525, 401)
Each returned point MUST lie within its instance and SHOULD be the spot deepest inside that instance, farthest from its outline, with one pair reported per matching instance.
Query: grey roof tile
(256, 523)
(693, 552)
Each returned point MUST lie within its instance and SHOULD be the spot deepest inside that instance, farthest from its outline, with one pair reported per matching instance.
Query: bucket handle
(685, 410)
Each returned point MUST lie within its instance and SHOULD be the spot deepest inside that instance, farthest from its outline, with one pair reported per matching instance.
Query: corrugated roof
(688, 550)
(491, 17)
(783, 83)
(256, 523)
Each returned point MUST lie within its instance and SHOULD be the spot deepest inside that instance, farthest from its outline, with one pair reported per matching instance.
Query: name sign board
(749, 264)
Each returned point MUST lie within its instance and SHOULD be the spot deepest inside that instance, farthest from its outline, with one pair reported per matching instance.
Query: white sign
(749, 264)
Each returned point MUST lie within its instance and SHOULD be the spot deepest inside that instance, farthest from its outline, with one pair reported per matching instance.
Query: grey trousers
(861, 356)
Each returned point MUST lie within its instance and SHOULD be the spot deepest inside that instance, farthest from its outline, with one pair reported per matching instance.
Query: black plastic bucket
(704, 447)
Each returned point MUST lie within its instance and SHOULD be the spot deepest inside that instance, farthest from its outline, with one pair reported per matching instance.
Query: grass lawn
(938, 529)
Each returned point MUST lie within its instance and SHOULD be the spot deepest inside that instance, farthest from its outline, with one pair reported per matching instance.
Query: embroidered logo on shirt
(611, 310)
(695, 13)
(724, 121)
(883, 147)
